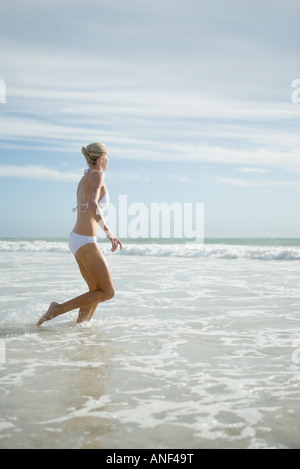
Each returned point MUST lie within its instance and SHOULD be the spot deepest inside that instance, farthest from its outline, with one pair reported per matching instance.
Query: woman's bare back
(86, 224)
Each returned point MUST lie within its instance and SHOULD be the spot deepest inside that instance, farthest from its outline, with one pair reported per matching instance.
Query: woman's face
(104, 162)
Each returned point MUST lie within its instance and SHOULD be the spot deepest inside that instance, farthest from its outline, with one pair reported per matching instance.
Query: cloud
(154, 125)
(227, 144)
(42, 173)
(212, 84)
(39, 173)
(253, 170)
(256, 184)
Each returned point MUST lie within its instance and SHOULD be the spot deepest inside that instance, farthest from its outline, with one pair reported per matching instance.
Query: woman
(92, 197)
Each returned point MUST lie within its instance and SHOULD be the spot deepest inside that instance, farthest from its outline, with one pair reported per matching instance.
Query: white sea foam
(188, 354)
(33, 246)
(191, 250)
(217, 251)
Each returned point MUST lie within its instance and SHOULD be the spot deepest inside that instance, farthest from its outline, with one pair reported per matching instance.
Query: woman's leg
(86, 312)
(95, 264)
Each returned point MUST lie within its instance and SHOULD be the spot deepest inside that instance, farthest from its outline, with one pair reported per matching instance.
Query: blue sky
(192, 98)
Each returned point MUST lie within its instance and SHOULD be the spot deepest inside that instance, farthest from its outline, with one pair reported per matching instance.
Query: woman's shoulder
(95, 178)
(96, 174)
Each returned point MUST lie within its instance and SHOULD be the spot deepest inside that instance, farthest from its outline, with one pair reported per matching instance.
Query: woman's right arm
(97, 182)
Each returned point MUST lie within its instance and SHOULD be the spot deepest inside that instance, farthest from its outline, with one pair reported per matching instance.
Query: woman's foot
(51, 313)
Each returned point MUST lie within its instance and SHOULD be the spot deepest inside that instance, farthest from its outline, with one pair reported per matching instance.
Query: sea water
(199, 348)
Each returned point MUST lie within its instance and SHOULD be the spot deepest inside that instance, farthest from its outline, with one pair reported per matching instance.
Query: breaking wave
(193, 250)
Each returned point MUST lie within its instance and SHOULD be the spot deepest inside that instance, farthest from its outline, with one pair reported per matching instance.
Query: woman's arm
(97, 182)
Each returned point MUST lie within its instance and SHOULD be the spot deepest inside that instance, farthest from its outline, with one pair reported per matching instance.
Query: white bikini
(102, 204)
(76, 240)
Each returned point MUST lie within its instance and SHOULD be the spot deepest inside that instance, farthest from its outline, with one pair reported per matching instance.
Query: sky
(194, 100)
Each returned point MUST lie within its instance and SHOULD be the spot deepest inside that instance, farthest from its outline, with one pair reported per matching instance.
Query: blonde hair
(93, 151)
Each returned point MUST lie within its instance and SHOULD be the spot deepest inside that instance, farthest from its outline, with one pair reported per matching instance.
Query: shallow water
(191, 353)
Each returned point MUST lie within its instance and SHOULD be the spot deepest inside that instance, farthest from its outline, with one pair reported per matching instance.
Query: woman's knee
(106, 293)
(109, 292)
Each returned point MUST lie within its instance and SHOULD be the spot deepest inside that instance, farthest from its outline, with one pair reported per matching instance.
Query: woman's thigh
(85, 274)
(94, 266)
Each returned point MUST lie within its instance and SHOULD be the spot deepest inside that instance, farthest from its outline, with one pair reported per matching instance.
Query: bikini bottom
(76, 241)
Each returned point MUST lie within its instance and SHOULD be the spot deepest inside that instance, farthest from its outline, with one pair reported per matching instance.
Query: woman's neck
(96, 167)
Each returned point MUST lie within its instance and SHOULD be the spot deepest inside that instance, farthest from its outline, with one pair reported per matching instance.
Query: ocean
(199, 348)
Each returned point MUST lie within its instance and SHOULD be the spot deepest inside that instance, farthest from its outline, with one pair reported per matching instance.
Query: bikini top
(103, 202)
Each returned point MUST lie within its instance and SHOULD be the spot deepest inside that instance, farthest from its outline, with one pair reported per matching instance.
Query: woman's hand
(115, 242)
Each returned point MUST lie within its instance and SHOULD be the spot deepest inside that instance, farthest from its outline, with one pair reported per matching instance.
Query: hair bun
(85, 151)
(93, 151)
